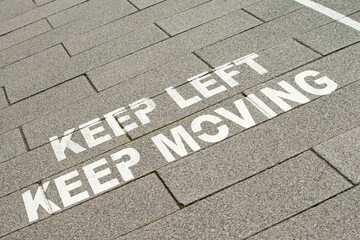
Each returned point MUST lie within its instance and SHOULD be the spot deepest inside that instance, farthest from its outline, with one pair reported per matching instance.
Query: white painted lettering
(246, 121)
(124, 166)
(142, 113)
(202, 87)
(180, 101)
(223, 130)
(227, 76)
(249, 60)
(89, 134)
(329, 87)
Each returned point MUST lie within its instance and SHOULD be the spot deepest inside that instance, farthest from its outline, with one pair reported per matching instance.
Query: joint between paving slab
(6, 96)
(47, 20)
(208, 64)
(90, 82)
(332, 166)
(62, 44)
(24, 139)
(307, 46)
(302, 211)
(181, 206)
(253, 15)
(133, 5)
(157, 25)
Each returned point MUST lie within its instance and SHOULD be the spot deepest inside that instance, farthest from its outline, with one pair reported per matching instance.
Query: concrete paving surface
(180, 119)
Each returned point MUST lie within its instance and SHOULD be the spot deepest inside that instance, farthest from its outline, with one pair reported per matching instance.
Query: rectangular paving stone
(262, 37)
(107, 216)
(35, 14)
(51, 100)
(276, 60)
(343, 153)
(171, 49)
(331, 37)
(24, 33)
(127, 24)
(91, 9)
(13, 213)
(345, 7)
(154, 82)
(11, 145)
(251, 205)
(336, 218)
(262, 146)
(141, 4)
(199, 15)
(268, 10)
(12, 8)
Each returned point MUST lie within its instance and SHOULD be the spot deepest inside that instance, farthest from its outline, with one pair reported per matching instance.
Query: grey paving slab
(12, 8)
(251, 205)
(155, 81)
(46, 102)
(344, 7)
(199, 15)
(268, 10)
(342, 152)
(24, 33)
(276, 60)
(127, 24)
(3, 101)
(141, 4)
(11, 145)
(264, 36)
(173, 48)
(42, 2)
(35, 14)
(39, 131)
(113, 213)
(35, 74)
(13, 213)
(336, 218)
(331, 37)
(262, 146)
(91, 9)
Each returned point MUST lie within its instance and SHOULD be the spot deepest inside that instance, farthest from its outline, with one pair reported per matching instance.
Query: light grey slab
(276, 60)
(344, 7)
(141, 4)
(107, 216)
(51, 100)
(343, 153)
(199, 15)
(11, 145)
(268, 10)
(125, 25)
(3, 101)
(35, 14)
(13, 213)
(264, 36)
(336, 218)
(251, 205)
(24, 33)
(91, 9)
(155, 81)
(262, 146)
(161, 53)
(12, 8)
(331, 37)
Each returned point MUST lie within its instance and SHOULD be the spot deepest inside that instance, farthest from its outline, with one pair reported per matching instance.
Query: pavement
(168, 119)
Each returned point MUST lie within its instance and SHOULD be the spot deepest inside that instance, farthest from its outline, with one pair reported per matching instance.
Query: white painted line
(330, 13)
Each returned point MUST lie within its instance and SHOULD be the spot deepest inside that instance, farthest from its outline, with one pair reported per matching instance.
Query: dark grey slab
(11, 145)
(251, 205)
(201, 14)
(122, 26)
(263, 146)
(24, 33)
(336, 218)
(343, 153)
(107, 216)
(12, 8)
(51, 100)
(171, 49)
(13, 213)
(331, 37)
